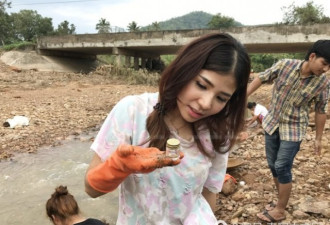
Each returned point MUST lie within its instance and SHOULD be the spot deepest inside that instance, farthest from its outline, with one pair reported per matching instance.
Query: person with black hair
(258, 113)
(297, 84)
(63, 209)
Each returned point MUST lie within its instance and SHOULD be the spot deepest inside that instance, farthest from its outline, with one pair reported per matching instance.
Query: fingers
(175, 162)
(145, 160)
(168, 161)
(160, 160)
(181, 155)
(125, 150)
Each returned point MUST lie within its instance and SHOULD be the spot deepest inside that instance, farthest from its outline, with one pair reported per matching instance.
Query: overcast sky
(85, 14)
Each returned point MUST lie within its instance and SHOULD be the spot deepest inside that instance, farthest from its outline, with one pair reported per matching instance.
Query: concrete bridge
(141, 46)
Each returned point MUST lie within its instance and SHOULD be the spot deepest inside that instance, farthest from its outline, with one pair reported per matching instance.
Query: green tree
(65, 28)
(305, 15)
(133, 27)
(263, 61)
(3, 5)
(5, 23)
(155, 26)
(219, 21)
(28, 25)
(103, 26)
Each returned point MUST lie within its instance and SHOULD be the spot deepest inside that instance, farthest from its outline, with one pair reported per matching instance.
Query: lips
(194, 114)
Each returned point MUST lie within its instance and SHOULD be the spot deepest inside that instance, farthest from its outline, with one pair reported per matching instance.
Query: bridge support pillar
(136, 63)
(127, 61)
(118, 60)
(143, 63)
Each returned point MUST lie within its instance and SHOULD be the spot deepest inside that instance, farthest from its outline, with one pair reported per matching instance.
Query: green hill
(193, 20)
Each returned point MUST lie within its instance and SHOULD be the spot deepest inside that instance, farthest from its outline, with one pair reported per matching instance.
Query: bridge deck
(257, 39)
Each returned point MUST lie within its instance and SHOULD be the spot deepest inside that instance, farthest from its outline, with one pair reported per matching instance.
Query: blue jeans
(280, 155)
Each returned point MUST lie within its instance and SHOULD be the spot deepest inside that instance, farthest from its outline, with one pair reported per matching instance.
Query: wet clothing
(169, 195)
(292, 97)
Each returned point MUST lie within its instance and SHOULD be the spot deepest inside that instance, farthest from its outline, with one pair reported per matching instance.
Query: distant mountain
(193, 20)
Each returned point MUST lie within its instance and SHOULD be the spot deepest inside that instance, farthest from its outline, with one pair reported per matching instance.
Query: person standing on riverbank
(297, 84)
(199, 103)
(63, 209)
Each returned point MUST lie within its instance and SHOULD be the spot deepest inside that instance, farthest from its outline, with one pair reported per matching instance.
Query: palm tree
(103, 26)
(155, 26)
(133, 27)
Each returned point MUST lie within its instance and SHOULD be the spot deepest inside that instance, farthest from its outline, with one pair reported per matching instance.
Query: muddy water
(28, 180)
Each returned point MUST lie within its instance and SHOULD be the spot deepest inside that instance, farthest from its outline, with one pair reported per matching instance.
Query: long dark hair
(220, 53)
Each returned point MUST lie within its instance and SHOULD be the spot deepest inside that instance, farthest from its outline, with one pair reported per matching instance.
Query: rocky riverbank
(60, 105)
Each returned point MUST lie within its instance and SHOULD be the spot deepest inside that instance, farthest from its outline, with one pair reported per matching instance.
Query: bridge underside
(152, 44)
(171, 50)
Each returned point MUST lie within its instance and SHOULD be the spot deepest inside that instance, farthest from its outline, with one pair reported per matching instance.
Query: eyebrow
(209, 82)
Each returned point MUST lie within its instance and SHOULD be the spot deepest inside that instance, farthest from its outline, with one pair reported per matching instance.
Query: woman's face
(206, 95)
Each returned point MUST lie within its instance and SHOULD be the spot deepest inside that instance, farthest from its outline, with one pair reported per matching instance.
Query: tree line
(27, 25)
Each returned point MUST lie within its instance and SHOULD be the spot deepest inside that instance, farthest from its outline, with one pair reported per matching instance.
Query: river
(28, 180)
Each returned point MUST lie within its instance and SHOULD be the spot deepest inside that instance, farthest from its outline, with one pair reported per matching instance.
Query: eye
(201, 86)
(222, 99)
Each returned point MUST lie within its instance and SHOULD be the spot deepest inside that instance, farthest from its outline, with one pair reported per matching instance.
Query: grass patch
(19, 46)
(129, 75)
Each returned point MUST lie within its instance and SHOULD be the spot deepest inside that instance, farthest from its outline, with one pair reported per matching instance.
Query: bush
(129, 75)
(20, 46)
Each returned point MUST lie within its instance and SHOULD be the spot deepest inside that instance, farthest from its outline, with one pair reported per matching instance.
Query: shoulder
(141, 100)
(261, 106)
(90, 221)
(324, 78)
(292, 63)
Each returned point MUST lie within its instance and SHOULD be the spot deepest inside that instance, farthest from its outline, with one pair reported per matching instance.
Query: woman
(62, 209)
(200, 103)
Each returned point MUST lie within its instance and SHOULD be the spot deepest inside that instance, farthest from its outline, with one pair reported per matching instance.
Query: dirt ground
(60, 104)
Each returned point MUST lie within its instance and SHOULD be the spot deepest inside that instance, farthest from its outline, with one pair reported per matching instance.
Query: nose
(205, 101)
(326, 68)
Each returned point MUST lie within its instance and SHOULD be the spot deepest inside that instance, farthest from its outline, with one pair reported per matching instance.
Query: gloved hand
(127, 159)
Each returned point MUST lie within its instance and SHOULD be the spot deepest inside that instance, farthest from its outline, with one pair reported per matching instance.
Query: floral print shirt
(169, 195)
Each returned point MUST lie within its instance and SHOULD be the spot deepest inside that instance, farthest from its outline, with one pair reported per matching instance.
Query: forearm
(254, 118)
(210, 197)
(320, 120)
(91, 191)
(104, 177)
(253, 86)
(88, 189)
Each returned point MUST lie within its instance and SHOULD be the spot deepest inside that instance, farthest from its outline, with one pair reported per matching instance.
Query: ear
(312, 56)
(55, 220)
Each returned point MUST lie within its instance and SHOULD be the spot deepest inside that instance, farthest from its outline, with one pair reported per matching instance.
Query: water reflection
(28, 180)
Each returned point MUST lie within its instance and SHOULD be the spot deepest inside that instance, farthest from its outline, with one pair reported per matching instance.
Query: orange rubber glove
(127, 159)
